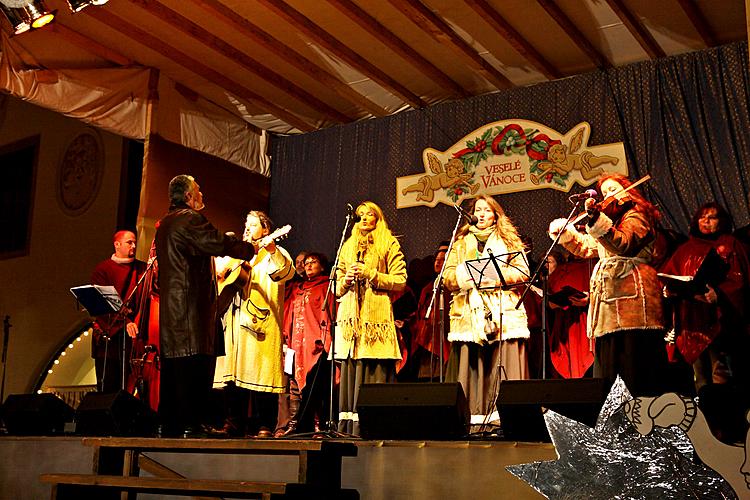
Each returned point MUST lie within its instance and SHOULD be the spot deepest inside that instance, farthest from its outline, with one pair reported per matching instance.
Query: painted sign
(509, 156)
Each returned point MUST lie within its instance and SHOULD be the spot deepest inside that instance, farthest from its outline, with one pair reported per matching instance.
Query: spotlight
(79, 5)
(26, 14)
(39, 14)
(18, 22)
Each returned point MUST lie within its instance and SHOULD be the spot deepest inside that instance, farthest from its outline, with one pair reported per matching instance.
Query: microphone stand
(535, 277)
(437, 287)
(331, 295)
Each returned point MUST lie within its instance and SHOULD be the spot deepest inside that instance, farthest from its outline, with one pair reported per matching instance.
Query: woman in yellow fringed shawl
(371, 265)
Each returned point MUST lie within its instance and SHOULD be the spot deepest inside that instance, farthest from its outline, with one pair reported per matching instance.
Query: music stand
(99, 300)
(486, 274)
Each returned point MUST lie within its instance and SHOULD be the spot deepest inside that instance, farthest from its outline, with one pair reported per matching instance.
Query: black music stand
(486, 274)
(99, 300)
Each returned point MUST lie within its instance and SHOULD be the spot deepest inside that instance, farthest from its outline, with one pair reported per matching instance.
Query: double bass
(143, 381)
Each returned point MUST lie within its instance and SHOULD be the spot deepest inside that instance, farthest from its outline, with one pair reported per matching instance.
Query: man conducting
(188, 321)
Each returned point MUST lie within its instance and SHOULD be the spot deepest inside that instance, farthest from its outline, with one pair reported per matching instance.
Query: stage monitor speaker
(114, 414)
(412, 411)
(36, 414)
(520, 404)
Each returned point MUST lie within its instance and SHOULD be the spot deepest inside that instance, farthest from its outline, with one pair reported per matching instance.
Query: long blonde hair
(380, 237)
(504, 228)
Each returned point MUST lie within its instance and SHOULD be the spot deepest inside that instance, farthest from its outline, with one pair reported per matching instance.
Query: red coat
(698, 323)
(422, 329)
(570, 351)
(306, 325)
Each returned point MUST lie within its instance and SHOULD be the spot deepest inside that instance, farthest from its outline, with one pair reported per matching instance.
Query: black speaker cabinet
(114, 414)
(412, 411)
(36, 414)
(520, 404)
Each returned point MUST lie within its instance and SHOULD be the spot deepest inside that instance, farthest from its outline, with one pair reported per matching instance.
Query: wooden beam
(570, 29)
(150, 41)
(514, 38)
(268, 42)
(637, 29)
(437, 28)
(90, 45)
(338, 48)
(690, 7)
(380, 32)
(216, 44)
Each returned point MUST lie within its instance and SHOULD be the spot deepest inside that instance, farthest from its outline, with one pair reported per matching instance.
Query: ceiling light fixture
(16, 20)
(79, 5)
(26, 14)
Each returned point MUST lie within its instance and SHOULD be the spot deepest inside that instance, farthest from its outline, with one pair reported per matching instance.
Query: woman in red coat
(711, 325)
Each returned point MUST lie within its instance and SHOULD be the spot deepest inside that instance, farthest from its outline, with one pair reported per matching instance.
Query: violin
(613, 206)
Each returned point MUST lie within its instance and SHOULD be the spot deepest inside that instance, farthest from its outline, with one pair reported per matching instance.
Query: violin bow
(584, 214)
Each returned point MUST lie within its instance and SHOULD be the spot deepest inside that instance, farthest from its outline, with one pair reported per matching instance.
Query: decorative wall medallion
(80, 173)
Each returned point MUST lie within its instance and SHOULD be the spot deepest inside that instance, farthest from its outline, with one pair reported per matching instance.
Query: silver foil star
(613, 460)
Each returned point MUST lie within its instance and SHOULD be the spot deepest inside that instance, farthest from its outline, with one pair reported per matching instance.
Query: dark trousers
(108, 364)
(184, 391)
(108, 374)
(250, 411)
(638, 356)
(315, 396)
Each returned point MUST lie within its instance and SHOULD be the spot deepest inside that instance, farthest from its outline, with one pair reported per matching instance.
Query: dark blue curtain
(683, 120)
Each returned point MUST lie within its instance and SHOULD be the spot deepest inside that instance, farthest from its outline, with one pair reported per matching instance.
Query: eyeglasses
(309, 262)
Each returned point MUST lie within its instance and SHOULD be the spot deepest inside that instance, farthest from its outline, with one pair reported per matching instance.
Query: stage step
(83, 486)
(118, 461)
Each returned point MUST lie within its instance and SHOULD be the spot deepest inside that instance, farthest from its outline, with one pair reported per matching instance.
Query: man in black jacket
(188, 321)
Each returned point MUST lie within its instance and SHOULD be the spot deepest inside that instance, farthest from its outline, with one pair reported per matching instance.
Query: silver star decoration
(613, 460)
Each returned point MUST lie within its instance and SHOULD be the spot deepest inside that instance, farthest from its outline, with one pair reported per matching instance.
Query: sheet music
(109, 293)
(98, 299)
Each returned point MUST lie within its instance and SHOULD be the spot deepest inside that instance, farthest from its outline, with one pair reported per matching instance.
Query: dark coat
(185, 242)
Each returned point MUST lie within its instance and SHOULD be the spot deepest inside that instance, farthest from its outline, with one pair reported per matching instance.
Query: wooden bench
(94, 487)
(118, 462)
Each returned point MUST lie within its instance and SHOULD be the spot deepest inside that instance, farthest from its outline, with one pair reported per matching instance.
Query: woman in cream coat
(488, 333)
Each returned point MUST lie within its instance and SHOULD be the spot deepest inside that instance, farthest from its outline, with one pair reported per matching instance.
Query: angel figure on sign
(562, 160)
(442, 178)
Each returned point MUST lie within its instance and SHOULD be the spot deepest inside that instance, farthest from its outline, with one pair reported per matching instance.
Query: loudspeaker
(412, 411)
(520, 404)
(36, 414)
(114, 414)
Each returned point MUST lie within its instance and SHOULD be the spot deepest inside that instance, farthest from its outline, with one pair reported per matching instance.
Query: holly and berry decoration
(509, 140)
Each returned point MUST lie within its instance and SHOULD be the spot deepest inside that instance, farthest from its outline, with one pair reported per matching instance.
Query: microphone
(350, 213)
(470, 218)
(589, 193)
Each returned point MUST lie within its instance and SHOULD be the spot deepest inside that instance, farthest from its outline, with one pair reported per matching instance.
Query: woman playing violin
(625, 310)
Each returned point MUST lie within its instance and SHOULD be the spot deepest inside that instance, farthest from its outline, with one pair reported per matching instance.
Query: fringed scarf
(365, 313)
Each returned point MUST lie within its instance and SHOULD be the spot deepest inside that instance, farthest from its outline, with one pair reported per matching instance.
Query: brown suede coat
(625, 292)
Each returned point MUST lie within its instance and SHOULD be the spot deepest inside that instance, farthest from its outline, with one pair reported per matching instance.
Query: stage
(380, 469)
